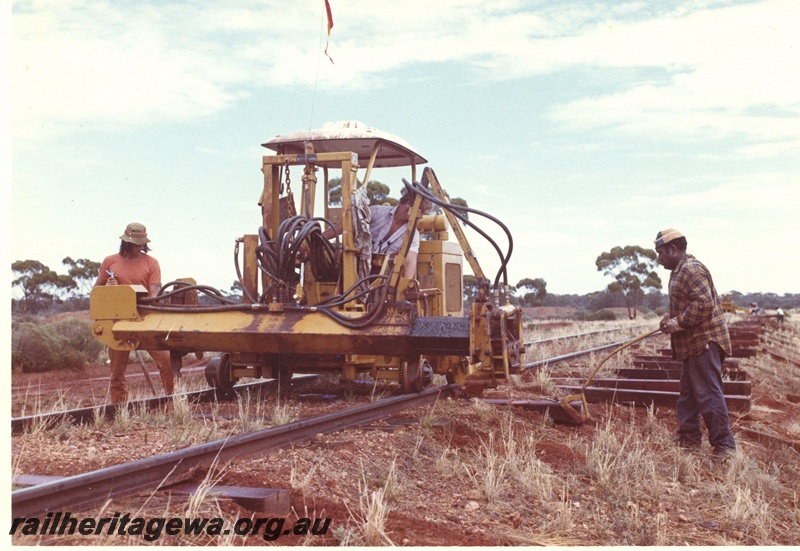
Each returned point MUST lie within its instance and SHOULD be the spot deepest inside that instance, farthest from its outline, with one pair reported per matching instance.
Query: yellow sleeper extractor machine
(313, 304)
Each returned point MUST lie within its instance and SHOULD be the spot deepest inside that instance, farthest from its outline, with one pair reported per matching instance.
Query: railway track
(88, 414)
(654, 379)
(85, 490)
(82, 491)
(572, 355)
(586, 334)
(44, 388)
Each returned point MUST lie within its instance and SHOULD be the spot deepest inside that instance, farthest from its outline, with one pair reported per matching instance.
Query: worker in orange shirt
(133, 266)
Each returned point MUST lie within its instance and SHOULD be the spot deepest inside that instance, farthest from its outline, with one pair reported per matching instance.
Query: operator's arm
(153, 280)
(410, 263)
(410, 266)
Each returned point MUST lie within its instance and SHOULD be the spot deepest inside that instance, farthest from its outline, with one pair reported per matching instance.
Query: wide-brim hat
(135, 233)
(665, 236)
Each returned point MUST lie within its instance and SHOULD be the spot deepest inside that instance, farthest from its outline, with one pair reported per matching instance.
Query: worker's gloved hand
(670, 325)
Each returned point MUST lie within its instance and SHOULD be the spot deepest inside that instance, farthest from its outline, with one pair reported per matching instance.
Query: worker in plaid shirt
(700, 339)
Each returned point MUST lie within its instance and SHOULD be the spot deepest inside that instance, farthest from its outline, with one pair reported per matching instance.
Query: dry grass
(367, 525)
(498, 476)
(33, 403)
(197, 501)
(299, 480)
(541, 383)
(283, 414)
(488, 470)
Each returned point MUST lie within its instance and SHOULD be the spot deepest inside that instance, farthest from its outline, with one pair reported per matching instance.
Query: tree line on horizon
(635, 286)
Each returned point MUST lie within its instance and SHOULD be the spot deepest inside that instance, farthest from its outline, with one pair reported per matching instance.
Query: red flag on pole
(330, 26)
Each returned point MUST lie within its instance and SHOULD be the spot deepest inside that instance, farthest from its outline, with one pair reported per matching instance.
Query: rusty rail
(587, 334)
(90, 413)
(79, 492)
(572, 355)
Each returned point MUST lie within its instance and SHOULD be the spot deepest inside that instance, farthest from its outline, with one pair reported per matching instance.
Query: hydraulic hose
(456, 211)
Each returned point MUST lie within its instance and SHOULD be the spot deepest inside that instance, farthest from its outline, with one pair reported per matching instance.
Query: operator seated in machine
(387, 226)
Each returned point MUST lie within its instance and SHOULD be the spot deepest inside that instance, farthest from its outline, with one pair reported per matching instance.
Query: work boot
(721, 454)
(685, 443)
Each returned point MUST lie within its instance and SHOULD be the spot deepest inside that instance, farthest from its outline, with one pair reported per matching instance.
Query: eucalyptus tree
(633, 269)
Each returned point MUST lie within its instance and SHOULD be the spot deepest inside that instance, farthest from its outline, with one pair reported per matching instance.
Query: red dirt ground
(432, 501)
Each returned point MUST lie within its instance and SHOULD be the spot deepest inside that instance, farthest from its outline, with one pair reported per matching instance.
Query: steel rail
(83, 415)
(588, 333)
(571, 355)
(81, 491)
(41, 387)
(90, 413)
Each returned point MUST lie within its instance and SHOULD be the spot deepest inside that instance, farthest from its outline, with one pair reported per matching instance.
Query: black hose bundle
(456, 211)
(159, 302)
(182, 287)
(278, 258)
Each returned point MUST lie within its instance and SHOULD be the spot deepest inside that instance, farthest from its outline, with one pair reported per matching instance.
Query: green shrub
(601, 315)
(79, 334)
(66, 344)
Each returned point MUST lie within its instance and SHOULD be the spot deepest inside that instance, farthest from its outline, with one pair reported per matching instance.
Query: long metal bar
(565, 402)
(768, 439)
(668, 363)
(455, 225)
(551, 407)
(146, 374)
(85, 490)
(781, 355)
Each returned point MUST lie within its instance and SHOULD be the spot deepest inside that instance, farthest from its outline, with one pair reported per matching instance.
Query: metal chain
(288, 178)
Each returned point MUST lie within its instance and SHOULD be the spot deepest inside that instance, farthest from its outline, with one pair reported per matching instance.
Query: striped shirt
(380, 224)
(693, 300)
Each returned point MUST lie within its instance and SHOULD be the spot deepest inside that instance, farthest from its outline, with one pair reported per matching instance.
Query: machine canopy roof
(349, 136)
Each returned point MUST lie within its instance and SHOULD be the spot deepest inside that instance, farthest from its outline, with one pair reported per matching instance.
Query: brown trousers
(119, 363)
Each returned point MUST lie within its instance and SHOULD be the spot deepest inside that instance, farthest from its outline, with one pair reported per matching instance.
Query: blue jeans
(702, 396)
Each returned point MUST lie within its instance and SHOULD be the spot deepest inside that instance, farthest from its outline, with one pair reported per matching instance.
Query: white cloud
(720, 63)
(771, 149)
(98, 61)
(137, 63)
(692, 73)
(754, 197)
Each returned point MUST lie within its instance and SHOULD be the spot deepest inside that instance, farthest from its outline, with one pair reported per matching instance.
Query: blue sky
(582, 125)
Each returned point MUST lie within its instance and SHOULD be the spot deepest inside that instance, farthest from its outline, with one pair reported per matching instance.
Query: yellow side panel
(453, 293)
(114, 302)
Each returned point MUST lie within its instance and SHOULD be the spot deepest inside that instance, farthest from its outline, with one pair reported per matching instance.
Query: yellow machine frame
(419, 328)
